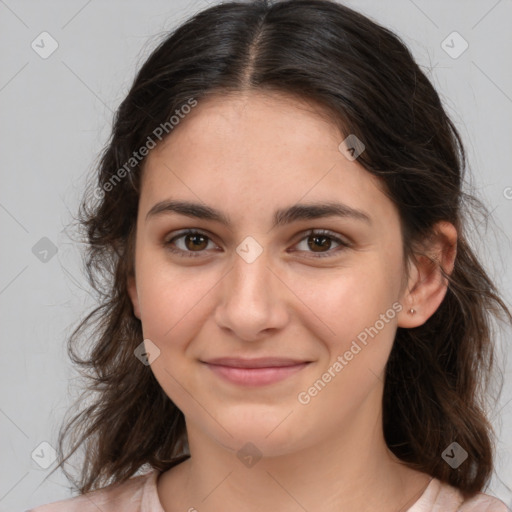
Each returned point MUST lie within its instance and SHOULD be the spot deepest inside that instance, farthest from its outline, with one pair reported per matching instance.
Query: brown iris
(196, 244)
(326, 241)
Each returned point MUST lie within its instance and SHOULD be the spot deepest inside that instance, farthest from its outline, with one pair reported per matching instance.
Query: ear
(132, 292)
(426, 286)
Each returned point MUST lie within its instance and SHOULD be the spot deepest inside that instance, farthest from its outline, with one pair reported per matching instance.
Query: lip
(255, 372)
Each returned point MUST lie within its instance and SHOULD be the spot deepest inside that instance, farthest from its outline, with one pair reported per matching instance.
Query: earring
(411, 311)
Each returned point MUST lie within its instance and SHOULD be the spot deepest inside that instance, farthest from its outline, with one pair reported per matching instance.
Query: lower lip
(255, 376)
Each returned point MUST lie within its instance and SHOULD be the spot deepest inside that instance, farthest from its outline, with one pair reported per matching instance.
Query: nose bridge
(250, 276)
(250, 300)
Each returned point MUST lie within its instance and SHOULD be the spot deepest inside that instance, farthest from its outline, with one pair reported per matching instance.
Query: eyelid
(343, 241)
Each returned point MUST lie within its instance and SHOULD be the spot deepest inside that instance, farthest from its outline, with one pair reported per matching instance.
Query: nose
(253, 300)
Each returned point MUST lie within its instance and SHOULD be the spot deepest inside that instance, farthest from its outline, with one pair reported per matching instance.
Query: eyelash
(313, 232)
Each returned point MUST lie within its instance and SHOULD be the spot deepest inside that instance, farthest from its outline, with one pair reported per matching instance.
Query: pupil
(195, 238)
(316, 238)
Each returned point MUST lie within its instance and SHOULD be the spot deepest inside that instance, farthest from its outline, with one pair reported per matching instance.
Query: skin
(248, 154)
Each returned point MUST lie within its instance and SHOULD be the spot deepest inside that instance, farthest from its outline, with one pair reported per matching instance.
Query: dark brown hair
(363, 75)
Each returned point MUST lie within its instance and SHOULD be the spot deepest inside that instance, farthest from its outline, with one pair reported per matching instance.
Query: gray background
(56, 117)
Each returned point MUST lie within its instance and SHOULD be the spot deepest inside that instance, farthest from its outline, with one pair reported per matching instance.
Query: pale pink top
(139, 494)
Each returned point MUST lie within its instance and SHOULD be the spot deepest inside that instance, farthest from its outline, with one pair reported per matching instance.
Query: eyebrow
(282, 216)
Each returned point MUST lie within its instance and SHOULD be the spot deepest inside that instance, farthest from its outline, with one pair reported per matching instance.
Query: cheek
(360, 312)
(173, 303)
(346, 301)
(171, 297)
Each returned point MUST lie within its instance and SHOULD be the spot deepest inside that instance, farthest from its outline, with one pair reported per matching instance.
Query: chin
(273, 431)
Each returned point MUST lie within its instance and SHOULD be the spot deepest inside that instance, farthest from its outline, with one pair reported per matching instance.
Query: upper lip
(261, 362)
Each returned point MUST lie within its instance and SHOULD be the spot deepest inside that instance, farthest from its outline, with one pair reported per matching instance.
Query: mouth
(255, 372)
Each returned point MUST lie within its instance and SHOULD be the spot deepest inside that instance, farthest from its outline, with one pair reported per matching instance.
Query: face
(315, 298)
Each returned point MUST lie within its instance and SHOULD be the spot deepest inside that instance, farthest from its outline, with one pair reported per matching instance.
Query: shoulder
(441, 496)
(484, 503)
(137, 494)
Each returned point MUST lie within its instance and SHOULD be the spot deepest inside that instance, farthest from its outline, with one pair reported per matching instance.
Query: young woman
(291, 316)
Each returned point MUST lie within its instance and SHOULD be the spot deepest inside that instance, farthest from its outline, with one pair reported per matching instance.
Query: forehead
(248, 151)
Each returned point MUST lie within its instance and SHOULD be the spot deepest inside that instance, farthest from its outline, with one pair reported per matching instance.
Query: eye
(195, 242)
(322, 239)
